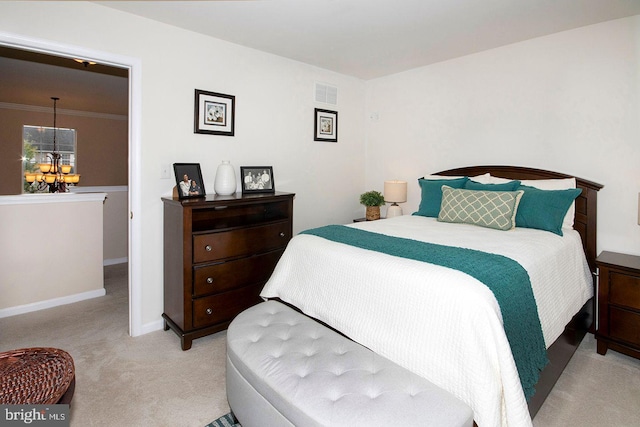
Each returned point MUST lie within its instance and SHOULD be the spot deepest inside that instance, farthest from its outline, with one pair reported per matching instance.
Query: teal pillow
(492, 209)
(431, 198)
(506, 186)
(544, 209)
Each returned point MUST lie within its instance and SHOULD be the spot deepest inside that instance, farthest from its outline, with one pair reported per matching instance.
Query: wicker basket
(36, 376)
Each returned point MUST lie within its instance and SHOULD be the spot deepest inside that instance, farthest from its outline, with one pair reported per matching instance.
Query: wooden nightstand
(618, 303)
(365, 219)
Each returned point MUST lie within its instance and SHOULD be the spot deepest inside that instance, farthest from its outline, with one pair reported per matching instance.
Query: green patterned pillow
(492, 209)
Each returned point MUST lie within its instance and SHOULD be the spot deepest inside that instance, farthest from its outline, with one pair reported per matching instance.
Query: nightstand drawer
(224, 307)
(234, 274)
(624, 325)
(245, 241)
(624, 290)
(618, 303)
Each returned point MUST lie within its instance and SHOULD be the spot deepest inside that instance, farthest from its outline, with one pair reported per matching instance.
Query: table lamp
(395, 192)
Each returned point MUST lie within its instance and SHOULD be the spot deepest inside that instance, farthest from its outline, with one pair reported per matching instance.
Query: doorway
(133, 65)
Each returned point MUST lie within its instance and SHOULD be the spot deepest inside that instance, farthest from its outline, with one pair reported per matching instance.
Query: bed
(444, 324)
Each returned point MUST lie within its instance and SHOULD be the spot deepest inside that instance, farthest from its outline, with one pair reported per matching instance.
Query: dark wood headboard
(585, 221)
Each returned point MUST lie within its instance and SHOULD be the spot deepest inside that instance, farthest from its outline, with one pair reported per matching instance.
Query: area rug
(225, 421)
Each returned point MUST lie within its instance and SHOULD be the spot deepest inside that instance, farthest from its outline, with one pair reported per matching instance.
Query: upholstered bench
(285, 369)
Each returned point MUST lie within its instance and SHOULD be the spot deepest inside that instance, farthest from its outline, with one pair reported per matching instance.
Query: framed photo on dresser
(189, 183)
(257, 179)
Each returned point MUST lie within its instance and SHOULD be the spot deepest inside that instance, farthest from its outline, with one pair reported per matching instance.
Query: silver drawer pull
(209, 280)
(207, 248)
(282, 234)
(209, 311)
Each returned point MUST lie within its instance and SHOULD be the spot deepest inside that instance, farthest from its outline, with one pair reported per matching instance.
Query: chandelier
(53, 176)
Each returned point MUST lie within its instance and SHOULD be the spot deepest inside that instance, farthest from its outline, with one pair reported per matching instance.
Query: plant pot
(373, 213)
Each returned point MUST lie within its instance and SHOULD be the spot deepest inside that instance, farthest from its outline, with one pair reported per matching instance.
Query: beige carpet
(124, 381)
(594, 391)
(150, 381)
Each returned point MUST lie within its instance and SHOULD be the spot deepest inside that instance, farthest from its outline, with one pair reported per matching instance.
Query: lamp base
(394, 210)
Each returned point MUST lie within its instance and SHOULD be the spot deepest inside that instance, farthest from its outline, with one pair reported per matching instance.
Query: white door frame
(135, 144)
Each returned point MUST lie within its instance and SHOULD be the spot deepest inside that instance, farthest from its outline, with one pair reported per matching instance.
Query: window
(37, 145)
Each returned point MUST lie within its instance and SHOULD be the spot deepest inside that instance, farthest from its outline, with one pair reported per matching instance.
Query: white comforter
(437, 322)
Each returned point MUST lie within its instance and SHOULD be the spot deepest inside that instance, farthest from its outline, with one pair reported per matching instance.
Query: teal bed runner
(506, 278)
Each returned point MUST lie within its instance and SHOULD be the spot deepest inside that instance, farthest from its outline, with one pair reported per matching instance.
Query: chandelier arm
(59, 184)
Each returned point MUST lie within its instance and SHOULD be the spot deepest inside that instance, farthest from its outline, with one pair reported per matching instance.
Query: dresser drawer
(224, 307)
(233, 216)
(245, 241)
(234, 274)
(624, 290)
(624, 325)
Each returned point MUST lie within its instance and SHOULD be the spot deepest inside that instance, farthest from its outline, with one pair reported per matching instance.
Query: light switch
(165, 172)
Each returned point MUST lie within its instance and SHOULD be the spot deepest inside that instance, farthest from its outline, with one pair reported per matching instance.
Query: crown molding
(39, 109)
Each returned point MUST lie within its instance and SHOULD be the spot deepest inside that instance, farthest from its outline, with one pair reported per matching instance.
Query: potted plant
(372, 200)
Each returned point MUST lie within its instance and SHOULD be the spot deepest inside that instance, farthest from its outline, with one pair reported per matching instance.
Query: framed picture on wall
(325, 125)
(257, 179)
(214, 113)
(189, 181)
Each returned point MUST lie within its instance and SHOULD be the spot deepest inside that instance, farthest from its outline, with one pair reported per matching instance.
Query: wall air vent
(326, 94)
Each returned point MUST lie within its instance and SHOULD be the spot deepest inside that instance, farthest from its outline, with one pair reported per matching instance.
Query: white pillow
(497, 180)
(550, 184)
(483, 179)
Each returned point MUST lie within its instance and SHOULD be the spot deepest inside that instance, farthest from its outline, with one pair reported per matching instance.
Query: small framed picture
(325, 125)
(214, 113)
(189, 181)
(257, 179)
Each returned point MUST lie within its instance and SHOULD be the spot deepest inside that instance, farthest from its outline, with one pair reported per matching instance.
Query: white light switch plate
(165, 172)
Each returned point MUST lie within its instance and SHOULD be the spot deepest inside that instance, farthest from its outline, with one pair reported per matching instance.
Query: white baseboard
(114, 261)
(152, 326)
(41, 305)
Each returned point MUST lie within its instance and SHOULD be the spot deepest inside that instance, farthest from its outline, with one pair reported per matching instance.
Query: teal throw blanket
(507, 279)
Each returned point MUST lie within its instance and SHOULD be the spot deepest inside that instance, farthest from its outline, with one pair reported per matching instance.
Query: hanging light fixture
(54, 175)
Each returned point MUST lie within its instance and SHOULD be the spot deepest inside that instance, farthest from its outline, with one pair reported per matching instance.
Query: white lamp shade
(395, 191)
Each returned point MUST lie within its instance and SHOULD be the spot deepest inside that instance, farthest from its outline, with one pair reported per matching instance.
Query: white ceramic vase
(225, 183)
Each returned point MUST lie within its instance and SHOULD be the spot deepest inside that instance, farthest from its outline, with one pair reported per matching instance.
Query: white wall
(568, 102)
(41, 263)
(274, 116)
(116, 217)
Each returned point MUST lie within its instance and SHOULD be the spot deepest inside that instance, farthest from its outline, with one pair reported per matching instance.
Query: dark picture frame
(257, 179)
(325, 125)
(194, 176)
(215, 113)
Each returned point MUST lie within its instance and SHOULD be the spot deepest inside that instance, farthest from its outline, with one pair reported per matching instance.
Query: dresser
(218, 253)
(618, 303)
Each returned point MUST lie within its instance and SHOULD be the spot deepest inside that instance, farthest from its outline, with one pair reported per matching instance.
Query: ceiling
(362, 38)
(32, 78)
(373, 38)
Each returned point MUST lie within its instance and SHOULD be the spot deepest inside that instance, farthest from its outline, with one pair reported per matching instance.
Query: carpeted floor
(150, 381)
(125, 381)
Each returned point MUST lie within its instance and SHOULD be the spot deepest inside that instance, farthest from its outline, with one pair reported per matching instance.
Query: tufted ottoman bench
(285, 369)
